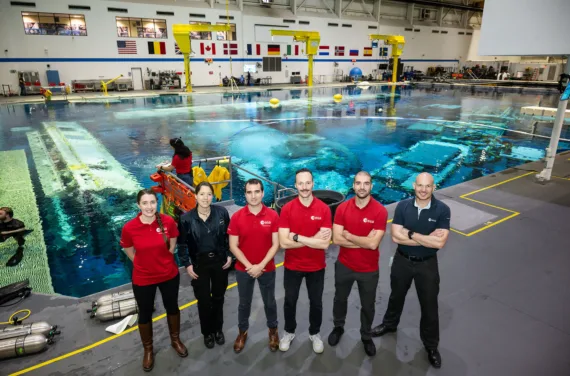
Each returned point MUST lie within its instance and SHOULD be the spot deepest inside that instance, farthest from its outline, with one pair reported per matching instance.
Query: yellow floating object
(199, 175)
(274, 101)
(219, 173)
(337, 97)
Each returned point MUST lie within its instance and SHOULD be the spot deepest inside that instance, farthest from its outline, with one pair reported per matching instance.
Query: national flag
(375, 44)
(207, 48)
(258, 49)
(290, 50)
(157, 48)
(273, 49)
(353, 53)
(339, 51)
(230, 49)
(384, 51)
(323, 50)
(126, 47)
(248, 49)
(177, 49)
(367, 51)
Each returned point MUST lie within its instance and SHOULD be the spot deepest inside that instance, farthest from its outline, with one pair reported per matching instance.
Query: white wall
(533, 27)
(95, 56)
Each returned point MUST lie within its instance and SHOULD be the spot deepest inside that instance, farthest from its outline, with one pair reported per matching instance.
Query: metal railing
(279, 190)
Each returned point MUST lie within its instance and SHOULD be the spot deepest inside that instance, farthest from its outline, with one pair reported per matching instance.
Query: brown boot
(145, 331)
(239, 344)
(174, 329)
(273, 339)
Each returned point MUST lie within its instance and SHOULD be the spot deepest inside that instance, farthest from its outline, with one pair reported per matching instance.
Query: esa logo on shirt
(315, 218)
(265, 223)
(165, 230)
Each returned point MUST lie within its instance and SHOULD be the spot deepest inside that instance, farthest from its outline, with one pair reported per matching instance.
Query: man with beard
(304, 233)
(359, 225)
(420, 228)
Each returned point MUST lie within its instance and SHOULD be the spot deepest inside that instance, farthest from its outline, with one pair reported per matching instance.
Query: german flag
(273, 49)
(157, 48)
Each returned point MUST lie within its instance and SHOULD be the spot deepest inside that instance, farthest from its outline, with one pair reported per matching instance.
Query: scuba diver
(11, 227)
(181, 161)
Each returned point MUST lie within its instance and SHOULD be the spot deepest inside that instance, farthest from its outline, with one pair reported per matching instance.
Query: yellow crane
(181, 34)
(397, 42)
(104, 84)
(312, 40)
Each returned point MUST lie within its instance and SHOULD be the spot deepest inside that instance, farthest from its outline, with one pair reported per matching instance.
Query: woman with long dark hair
(205, 253)
(149, 240)
(181, 161)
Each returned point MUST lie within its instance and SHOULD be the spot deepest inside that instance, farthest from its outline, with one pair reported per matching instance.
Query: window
(272, 64)
(226, 17)
(346, 25)
(225, 35)
(444, 32)
(141, 28)
(372, 27)
(80, 7)
(197, 15)
(408, 29)
(161, 13)
(54, 24)
(333, 24)
(435, 31)
(118, 10)
(304, 22)
(200, 34)
(416, 30)
(288, 21)
(22, 4)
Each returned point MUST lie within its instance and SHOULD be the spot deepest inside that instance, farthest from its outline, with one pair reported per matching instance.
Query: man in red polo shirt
(254, 242)
(359, 226)
(304, 233)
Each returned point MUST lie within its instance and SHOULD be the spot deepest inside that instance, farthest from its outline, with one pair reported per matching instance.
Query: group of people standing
(207, 239)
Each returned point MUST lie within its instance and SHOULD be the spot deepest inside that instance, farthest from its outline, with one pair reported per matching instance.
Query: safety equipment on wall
(563, 82)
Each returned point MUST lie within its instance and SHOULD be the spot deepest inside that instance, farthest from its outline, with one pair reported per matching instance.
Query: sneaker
(318, 345)
(286, 341)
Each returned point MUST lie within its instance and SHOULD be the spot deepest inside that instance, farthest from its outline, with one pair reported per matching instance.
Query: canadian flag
(207, 48)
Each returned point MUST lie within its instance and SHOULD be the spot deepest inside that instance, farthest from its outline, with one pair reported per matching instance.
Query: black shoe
(209, 341)
(219, 336)
(380, 330)
(335, 335)
(434, 358)
(16, 258)
(369, 347)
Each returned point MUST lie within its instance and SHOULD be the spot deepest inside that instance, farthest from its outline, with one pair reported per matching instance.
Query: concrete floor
(504, 304)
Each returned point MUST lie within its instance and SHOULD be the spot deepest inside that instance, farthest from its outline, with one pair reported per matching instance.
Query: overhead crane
(397, 42)
(312, 40)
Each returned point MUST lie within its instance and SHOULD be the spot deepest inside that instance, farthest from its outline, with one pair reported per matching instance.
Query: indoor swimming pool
(88, 159)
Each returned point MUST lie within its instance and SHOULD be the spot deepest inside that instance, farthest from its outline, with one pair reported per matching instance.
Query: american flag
(177, 49)
(127, 47)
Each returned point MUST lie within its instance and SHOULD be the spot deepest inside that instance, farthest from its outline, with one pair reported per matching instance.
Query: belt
(414, 258)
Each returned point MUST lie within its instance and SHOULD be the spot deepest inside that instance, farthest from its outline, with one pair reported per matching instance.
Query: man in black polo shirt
(11, 227)
(420, 228)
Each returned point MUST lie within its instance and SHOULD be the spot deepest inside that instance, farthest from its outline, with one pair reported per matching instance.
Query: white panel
(525, 27)
(263, 35)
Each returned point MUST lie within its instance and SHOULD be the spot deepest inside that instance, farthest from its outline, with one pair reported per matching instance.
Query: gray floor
(504, 304)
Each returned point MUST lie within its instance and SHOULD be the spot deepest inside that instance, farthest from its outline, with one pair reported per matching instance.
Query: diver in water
(181, 161)
(11, 227)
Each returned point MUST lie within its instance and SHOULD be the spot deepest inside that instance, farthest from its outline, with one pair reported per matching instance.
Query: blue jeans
(266, 287)
(186, 178)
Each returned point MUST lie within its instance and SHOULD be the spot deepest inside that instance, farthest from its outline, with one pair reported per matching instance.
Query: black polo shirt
(14, 224)
(437, 216)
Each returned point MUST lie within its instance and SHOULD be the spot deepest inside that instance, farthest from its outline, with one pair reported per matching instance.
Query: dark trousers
(425, 275)
(186, 178)
(344, 278)
(144, 295)
(267, 289)
(18, 236)
(315, 282)
(210, 289)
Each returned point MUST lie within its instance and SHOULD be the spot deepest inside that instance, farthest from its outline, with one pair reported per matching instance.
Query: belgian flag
(157, 48)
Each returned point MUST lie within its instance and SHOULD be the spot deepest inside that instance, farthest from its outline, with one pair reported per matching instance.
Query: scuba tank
(41, 327)
(115, 310)
(111, 298)
(24, 345)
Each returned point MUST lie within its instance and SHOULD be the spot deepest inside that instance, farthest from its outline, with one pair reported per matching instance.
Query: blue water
(456, 135)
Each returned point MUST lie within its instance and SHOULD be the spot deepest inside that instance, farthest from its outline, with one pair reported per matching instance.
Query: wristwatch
(410, 234)
(296, 237)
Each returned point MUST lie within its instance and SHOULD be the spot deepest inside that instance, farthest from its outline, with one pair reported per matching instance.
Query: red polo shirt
(182, 166)
(255, 233)
(305, 221)
(153, 261)
(360, 222)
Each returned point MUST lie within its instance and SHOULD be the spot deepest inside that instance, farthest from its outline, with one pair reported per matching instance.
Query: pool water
(87, 160)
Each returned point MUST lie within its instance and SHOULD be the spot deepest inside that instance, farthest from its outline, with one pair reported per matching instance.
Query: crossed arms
(347, 240)
(436, 239)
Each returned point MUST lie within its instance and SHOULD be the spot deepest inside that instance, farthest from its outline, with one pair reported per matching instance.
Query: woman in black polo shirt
(204, 250)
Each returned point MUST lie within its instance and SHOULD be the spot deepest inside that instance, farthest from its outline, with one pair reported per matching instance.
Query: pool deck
(504, 303)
